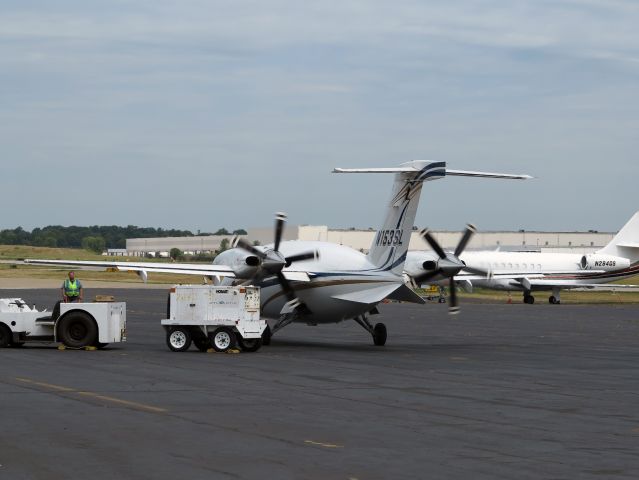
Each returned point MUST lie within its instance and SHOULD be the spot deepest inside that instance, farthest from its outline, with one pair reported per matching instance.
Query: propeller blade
(302, 256)
(478, 271)
(433, 243)
(470, 231)
(244, 245)
(290, 293)
(280, 220)
(453, 309)
(286, 286)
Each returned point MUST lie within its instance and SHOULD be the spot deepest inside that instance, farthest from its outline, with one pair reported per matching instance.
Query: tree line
(95, 238)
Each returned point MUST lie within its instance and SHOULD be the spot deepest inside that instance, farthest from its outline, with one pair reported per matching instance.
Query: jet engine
(595, 261)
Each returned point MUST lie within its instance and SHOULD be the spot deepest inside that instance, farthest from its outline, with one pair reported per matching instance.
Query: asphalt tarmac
(500, 391)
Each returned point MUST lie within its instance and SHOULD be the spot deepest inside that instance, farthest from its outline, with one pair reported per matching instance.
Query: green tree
(224, 244)
(176, 253)
(94, 244)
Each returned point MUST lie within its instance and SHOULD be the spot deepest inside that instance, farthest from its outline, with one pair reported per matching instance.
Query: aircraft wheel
(222, 339)
(77, 330)
(529, 299)
(5, 336)
(249, 344)
(266, 336)
(202, 343)
(379, 334)
(178, 339)
(553, 300)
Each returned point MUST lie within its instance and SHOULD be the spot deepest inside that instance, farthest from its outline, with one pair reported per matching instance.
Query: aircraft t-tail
(321, 282)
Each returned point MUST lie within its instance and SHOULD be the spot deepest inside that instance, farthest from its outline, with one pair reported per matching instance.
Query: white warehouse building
(581, 242)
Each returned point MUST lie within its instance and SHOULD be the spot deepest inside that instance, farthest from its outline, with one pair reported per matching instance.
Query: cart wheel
(178, 339)
(222, 339)
(77, 330)
(379, 335)
(202, 343)
(5, 336)
(249, 344)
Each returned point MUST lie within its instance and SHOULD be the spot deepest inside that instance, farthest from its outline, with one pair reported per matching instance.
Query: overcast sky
(203, 114)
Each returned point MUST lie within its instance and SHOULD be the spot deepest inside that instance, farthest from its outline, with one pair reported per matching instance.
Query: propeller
(449, 264)
(272, 261)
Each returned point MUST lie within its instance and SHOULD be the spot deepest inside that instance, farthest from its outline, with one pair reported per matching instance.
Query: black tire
(379, 334)
(222, 339)
(266, 336)
(529, 299)
(101, 345)
(5, 336)
(77, 330)
(553, 300)
(249, 344)
(178, 339)
(201, 343)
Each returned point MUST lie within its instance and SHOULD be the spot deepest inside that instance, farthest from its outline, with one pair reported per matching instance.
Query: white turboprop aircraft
(321, 282)
(528, 271)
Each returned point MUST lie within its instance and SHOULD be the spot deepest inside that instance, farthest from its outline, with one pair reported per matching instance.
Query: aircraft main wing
(143, 268)
(182, 268)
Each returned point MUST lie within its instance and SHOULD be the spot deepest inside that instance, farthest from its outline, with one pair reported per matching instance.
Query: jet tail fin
(626, 243)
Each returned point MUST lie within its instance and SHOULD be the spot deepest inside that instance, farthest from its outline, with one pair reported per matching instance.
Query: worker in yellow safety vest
(72, 290)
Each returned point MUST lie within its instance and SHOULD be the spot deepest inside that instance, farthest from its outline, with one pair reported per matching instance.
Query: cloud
(201, 103)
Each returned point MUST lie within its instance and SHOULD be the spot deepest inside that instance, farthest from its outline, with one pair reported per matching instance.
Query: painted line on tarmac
(93, 395)
(320, 444)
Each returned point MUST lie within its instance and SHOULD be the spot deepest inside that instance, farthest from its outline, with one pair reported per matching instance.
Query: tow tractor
(75, 325)
(215, 317)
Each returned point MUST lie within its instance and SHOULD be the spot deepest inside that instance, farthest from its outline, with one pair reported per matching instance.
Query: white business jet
(528, 271)
(321, 282)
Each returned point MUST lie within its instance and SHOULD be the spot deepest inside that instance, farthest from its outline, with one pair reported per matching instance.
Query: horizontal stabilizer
(406, 294)
(628, 245)
(448, 172)
(371, 295)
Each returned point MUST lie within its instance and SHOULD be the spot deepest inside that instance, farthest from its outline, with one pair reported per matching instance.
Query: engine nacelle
(595, 261)
(244, 265)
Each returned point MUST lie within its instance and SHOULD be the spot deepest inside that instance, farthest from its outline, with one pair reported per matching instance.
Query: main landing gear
(378, 331)
(554, 299)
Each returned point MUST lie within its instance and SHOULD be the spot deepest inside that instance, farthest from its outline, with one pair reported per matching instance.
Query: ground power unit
(215, 317)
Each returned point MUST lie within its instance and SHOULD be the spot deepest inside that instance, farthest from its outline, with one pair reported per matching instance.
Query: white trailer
(213, 316)
(75, 325)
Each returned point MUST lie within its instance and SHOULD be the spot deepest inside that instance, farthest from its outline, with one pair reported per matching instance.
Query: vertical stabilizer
(626, 243)
(388, 251)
